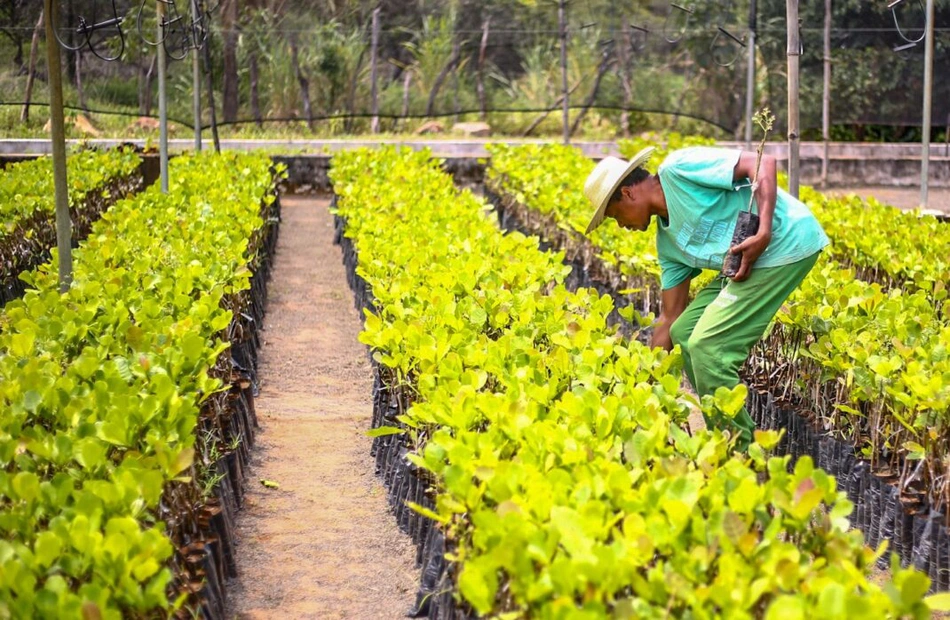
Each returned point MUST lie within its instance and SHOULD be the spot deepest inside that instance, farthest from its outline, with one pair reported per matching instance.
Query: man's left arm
(765, 195)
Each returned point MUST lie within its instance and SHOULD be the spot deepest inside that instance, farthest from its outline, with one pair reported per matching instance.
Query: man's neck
(657, 199)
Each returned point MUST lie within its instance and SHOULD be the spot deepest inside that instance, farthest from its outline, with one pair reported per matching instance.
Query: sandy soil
(323, 545)
(938, 199)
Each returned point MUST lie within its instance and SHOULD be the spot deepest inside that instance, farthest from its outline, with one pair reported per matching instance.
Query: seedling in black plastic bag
(747, 224)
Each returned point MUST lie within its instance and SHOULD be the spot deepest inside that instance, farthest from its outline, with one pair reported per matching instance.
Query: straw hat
(604, 180)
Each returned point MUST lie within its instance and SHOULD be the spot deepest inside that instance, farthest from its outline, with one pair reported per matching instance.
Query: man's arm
(765, 195)
(672, 303)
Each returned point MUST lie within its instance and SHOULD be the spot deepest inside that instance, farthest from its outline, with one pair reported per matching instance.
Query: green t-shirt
(703, 203)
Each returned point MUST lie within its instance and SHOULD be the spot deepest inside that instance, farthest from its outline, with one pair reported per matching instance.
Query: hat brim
(638, 160)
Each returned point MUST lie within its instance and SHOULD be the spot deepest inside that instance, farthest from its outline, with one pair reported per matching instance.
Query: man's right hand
(672, 303)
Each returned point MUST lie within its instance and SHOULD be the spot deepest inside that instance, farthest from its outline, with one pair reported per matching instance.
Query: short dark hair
(636, 175)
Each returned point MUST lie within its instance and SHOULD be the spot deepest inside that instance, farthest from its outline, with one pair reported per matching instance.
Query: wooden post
(794, 55)
(374, 124)
(566, 110)
(64, 231)
(826, 97)
(31, 70)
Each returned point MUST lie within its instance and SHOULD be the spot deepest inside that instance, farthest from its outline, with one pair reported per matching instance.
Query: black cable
(43, 104)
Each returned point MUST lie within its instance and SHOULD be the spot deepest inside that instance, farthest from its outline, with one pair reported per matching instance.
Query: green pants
(720, 326)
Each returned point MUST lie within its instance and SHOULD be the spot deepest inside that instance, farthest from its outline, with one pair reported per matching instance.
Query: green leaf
(270, 484)
(730, 401)
(383, 431)
(47, 548)
(938, 602)
(478, 586)
(89, 452)
(26, 485)
(430, 514)
(914, 587)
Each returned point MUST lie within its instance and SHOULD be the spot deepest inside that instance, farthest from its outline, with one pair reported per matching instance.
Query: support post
(928, 105)
(826, 97)
(794, 55)
(566, 111)
(196, 77)
(162, 97)
(58, 138)
(750, 78)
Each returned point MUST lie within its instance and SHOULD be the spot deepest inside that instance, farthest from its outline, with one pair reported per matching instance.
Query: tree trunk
(605, 63)
(145, 98)
(302, 80)
(374, 59)
(351, 96)
(544, 115)
(31, 71)
(209, 72)
(255, 94)
(79, 89)
(71, 39)
(480, 73)
(453, 60)
(229, 13)
(406, 81)
(623, 72)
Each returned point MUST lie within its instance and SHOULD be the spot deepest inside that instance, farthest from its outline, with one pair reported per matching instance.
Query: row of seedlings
(540, 459)
(97, 179)
(125, 421)
(869, 409)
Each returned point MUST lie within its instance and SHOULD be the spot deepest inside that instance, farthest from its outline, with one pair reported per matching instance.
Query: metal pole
(162, 99)
(566, 113)
(750, 78)
(928, 105)
(196, 79)
(374, 124)
(58, 138)
(826, 97)
(794, 53)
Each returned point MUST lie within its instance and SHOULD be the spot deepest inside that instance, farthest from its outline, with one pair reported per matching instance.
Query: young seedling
(747, 224)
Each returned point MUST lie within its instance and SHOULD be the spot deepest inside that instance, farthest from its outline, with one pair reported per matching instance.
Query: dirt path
(323, 545)
(938, 199)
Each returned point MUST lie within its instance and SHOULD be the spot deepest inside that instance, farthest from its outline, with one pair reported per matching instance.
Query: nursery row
(102, 387)
(553, 450)
(872, 364)
(96, 179)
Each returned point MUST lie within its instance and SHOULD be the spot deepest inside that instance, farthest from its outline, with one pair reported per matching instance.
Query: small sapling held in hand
(747, 224)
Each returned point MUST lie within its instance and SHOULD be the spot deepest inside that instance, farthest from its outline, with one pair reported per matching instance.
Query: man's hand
(673, 302)
(750, 249)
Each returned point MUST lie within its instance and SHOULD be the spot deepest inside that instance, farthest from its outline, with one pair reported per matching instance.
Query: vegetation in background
(267, 53)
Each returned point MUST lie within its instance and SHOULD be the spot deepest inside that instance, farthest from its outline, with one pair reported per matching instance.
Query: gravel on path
(324, 544)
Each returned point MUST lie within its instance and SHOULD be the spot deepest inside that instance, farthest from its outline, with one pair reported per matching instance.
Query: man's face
(630, 212)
